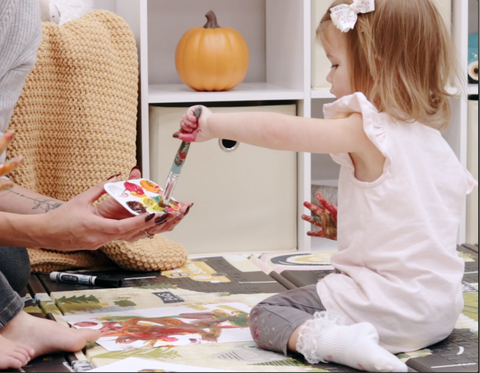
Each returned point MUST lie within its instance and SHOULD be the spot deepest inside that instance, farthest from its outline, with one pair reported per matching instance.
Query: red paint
(256, 334)
(168, 339)
(208, 324)
(134, 189)
(85, 324)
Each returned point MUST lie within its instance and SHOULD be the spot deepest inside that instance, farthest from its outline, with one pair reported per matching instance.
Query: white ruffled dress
(397, 235)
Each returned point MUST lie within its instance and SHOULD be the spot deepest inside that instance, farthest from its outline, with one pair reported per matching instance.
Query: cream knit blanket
(75, 125)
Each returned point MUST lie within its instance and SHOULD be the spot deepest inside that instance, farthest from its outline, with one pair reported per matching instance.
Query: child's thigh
(293, 307)
(304, 299)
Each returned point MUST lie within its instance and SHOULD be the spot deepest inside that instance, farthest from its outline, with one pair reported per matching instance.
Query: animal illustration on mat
(207, 325)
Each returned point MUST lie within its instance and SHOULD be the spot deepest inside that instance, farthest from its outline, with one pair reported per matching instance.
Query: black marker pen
(73, 278)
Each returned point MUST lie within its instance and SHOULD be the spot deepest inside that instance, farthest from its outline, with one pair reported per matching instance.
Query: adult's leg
(12, 354)
(273, 320)
(14, 274)
(21, 331)
(15, 266)
(10, 302)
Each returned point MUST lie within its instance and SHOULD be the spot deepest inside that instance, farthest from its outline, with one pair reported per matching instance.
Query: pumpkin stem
(211, 20)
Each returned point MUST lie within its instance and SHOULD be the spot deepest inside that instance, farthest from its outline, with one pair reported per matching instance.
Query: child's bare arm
(342, 134)
(278, 131)
(284, 132)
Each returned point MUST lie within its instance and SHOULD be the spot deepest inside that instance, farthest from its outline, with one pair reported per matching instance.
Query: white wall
(164, 35)
(105, 4)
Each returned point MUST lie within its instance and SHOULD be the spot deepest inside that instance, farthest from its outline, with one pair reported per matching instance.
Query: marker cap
(53, 276)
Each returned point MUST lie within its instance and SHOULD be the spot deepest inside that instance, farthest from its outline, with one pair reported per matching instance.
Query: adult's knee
(15, 266)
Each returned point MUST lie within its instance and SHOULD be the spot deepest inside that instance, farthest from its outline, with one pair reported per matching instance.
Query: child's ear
(49, 11)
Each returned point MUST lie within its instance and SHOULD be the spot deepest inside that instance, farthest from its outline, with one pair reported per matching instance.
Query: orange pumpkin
(212, 58)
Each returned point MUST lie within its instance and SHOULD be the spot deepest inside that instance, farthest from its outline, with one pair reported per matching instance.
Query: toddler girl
(402, 191)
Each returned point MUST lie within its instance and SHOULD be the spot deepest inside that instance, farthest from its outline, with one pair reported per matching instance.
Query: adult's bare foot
(46, 336)
(14, 355)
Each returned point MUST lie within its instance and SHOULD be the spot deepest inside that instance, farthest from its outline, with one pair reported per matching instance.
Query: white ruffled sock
(328, 339)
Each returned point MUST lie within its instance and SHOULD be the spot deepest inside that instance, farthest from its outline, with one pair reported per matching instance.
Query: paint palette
(140, 196)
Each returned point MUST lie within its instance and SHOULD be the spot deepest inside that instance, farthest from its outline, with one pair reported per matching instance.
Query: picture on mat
(168, 326)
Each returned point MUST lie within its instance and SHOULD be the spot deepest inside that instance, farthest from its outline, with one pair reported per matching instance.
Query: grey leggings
(14, 275)
(273, 320)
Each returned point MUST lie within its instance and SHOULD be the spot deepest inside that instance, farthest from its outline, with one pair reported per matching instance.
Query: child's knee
(264, 329)
(254, 315)
(255, 322)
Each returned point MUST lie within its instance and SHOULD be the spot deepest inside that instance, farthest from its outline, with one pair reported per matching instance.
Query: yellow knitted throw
(75, 125)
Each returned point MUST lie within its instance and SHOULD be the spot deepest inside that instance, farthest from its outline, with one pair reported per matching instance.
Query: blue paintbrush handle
(177, 165)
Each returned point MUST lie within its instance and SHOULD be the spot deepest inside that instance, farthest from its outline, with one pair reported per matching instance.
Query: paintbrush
(177, 165)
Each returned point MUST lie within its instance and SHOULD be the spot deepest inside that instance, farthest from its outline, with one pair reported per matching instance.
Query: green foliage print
(166, 353)
(283, 363)
(77, 300)
(124, 303)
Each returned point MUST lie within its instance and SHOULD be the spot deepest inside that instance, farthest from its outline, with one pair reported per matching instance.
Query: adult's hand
(8, 166)
(165, 224)
(74, 225)
(111, 209)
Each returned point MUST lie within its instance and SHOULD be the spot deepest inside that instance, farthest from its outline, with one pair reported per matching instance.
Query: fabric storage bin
(245, 196)
(320, 63)
(472, 165)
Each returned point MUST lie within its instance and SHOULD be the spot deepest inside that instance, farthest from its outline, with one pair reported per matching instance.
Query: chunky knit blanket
(75, 125)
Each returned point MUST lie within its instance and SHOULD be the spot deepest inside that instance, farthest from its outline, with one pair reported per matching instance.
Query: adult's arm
(72, 226)
(20, 200)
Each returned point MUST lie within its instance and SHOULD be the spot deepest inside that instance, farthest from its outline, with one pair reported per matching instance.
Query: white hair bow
(345, 16)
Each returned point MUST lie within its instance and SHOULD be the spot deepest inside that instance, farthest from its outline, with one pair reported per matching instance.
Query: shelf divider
(178, 93)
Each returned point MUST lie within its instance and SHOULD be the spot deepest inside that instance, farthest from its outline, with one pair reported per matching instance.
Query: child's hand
(10, 165)
(323, 216)
(193, 129)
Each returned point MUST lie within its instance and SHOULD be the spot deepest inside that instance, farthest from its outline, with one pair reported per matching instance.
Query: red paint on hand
(323, 216)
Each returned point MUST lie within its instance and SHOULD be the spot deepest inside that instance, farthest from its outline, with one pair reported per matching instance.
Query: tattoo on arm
(45, 204)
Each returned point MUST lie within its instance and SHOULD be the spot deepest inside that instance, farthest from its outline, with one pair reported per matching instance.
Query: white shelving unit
(179, 93)
(279, 35)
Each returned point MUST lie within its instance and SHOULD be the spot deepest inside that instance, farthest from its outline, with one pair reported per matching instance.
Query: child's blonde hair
(402, 58)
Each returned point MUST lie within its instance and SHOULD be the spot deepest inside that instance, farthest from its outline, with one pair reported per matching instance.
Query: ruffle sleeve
(373, 125)
(471, 182)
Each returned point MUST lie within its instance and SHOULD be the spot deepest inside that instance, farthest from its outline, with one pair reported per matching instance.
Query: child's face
(335, 45)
